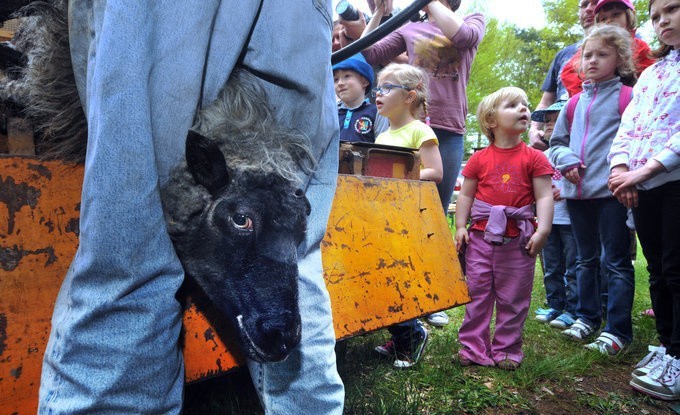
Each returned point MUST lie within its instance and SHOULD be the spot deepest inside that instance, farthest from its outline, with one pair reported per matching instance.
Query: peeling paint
(15, 196)
(73, 226)
(41, 169)
(10, 257)
(16, 372)
(209, 336)
(3, 333)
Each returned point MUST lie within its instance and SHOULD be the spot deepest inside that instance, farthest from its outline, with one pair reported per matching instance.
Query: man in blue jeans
(140, 68)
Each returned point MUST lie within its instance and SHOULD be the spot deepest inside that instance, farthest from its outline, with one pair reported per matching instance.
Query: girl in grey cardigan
(579, 149)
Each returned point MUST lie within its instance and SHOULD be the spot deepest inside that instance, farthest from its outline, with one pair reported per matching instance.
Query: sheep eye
(242, 222)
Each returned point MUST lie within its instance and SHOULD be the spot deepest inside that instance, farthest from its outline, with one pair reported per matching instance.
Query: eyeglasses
(385, 89)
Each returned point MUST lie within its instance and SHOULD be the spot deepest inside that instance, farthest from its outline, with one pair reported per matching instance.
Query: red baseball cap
(601, 3)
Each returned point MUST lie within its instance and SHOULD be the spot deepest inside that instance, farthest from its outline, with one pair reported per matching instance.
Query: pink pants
(500, 275)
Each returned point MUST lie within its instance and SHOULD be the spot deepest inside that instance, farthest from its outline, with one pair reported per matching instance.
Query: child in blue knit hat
(358, 117)
(559, 252)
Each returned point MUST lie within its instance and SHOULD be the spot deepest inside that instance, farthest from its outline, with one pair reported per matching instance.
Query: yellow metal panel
(388, 254)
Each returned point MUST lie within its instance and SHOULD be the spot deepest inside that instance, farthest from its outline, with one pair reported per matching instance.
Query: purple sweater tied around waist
(497, 217)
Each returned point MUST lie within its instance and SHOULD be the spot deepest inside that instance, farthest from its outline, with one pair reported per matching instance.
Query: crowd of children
(614, 147)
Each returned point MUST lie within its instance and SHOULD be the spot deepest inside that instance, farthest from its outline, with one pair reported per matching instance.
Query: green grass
(555, 370)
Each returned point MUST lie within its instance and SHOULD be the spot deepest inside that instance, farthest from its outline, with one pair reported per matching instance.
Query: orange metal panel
(39, 211)
(388, 256)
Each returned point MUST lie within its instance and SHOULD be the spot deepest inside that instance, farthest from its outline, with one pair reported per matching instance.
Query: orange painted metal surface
(388, 257)
(39, 211)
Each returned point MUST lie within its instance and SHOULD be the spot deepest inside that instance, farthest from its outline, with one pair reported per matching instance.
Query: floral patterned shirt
(650, 126)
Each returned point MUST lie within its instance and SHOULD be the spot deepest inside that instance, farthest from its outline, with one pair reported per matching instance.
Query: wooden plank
(6, 34)
(20, 137)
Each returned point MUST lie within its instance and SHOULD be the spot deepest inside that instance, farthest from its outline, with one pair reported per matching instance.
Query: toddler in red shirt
(502, 185)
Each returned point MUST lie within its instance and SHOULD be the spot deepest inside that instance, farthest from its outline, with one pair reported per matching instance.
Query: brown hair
(631, 16)
(663, 48)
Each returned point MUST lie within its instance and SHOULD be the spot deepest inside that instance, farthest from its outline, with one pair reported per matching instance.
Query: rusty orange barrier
(388, 256)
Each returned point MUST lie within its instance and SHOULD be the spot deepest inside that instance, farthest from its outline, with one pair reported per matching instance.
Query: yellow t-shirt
(412, 135)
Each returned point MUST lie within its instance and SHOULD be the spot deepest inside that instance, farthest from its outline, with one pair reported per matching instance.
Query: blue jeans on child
(114, 345)
(602, 222)
(559, 260)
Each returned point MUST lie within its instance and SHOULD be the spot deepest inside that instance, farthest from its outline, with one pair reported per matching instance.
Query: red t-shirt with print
(504, 177)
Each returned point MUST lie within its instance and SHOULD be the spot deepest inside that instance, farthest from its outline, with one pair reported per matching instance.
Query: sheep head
(241, 248)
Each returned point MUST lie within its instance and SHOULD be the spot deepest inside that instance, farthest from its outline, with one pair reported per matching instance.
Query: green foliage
(512, 56)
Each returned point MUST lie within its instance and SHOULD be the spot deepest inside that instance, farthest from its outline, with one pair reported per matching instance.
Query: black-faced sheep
(236, 216)
(234, 209)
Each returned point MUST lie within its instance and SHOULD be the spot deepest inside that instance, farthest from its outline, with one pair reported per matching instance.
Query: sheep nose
(281, 332)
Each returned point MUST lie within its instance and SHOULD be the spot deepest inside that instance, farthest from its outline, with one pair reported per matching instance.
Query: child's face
(613, 15)
(665, 16)
(394, 102)
(599, 61)
(549, 124)
(350, 87)
(512, 117)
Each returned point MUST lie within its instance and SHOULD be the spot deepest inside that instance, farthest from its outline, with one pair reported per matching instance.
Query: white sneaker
(649, 362)
(438, 319)
(662, 381)
(607, 343)
(580, 330)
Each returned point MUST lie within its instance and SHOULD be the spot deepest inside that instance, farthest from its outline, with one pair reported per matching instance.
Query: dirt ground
(586, 394)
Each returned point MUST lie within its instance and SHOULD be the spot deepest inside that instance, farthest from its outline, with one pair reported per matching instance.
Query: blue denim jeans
(559, 259)
(602, 222)
(140, 68)
(451, 147)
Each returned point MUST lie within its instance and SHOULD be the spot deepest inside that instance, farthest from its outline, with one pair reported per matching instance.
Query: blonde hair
(622, 42)
(486, 111)
(631, 15)
(415, 80)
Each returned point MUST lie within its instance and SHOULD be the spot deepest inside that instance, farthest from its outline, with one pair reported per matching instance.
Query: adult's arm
(448, 21)
(536, 131)
(560, 155)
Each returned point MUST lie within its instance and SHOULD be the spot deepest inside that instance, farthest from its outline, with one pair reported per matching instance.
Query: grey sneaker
(649, 362)
(580, 330)
(438, 319)
(550, 315)
(662, 381)
(563, 321)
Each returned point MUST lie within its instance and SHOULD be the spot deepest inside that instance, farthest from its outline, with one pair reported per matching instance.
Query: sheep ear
(206, 162)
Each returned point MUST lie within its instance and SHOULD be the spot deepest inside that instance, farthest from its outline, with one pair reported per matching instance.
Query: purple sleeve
(386, 49)
(471, 32)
